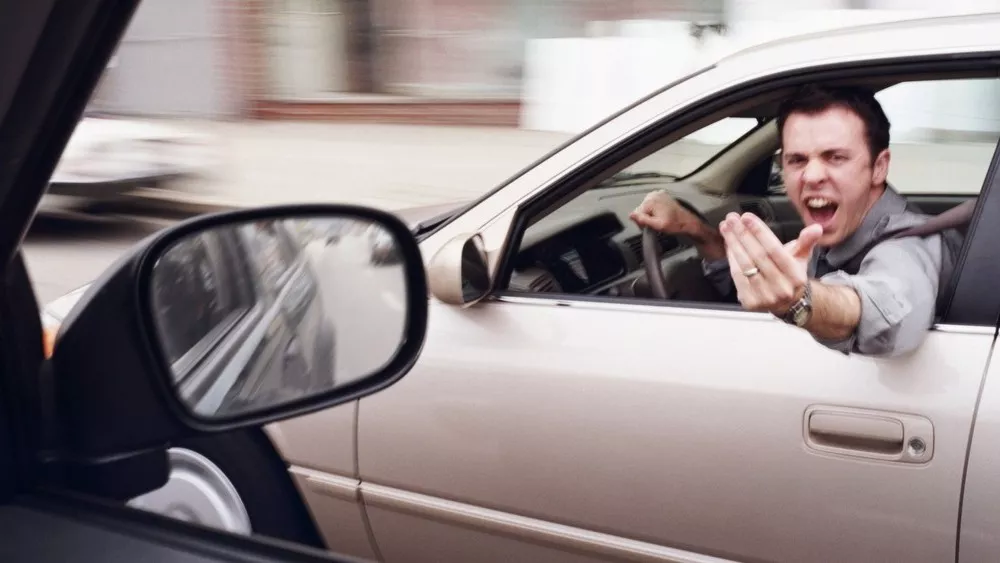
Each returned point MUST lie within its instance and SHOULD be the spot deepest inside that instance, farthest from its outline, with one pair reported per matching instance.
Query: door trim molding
(334, 486)
(525, 529)
(696, 309)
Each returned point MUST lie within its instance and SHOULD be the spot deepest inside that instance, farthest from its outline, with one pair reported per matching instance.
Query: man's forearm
(708, 242)
(836, 311)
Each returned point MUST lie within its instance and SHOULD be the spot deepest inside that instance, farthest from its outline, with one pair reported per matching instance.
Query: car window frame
(978, 307)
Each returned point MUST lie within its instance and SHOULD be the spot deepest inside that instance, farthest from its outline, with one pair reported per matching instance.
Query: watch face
(801, 315)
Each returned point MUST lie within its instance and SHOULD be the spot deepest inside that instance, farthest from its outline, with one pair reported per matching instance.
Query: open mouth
(821, 210)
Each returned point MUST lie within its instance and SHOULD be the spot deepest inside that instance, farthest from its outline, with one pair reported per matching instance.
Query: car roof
(900, 38)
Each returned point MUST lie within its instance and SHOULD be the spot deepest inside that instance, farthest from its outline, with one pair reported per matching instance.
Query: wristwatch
(801, 311)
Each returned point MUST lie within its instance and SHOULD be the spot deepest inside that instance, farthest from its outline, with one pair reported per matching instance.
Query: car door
(556, 427)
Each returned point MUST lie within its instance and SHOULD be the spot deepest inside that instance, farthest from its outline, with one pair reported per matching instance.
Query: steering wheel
(652, 252)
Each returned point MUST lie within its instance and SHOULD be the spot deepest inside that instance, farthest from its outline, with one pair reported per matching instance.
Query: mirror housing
(114, 391)
(458, 273)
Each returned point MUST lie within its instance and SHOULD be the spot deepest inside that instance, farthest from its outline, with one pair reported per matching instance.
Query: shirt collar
(888, 205)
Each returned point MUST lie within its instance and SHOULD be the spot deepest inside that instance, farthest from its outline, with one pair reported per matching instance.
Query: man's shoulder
(936, 251)
(909, 217)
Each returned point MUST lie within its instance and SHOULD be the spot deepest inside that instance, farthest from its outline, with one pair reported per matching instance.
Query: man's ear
(880, 168)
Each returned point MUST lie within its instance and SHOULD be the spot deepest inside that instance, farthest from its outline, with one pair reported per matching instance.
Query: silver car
(561, 412)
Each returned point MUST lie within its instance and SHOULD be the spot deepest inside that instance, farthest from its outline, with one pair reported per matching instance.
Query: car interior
(586, 244)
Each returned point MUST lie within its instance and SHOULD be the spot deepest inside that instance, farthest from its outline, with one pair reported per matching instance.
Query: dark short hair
(812, 99)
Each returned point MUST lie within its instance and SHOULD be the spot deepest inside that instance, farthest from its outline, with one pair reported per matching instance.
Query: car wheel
(233, 481)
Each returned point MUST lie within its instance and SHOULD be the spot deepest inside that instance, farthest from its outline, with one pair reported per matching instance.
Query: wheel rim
(197, 491)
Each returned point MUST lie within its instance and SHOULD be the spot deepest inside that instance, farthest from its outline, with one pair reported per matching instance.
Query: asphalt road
(63, 254)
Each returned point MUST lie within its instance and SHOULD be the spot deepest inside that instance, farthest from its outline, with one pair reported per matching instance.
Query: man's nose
(814, 172)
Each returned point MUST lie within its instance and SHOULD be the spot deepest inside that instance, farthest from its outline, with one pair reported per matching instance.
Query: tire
(253, 471)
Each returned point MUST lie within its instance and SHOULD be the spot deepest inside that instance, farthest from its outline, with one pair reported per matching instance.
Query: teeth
(818, 202)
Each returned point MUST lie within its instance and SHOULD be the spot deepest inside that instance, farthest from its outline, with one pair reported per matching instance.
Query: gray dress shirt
(897, 281)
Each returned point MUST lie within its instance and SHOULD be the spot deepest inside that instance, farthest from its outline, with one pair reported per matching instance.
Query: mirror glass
(254, 315)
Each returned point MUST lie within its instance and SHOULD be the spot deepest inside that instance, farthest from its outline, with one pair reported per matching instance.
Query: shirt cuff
(717, 272)
(713, 267)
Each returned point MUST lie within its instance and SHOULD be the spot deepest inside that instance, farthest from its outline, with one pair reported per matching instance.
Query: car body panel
(980, 521)
(336, 507)
(684, 454)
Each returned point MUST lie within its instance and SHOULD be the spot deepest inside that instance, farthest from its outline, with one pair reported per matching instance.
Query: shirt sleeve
(717, 272)
(898, 286)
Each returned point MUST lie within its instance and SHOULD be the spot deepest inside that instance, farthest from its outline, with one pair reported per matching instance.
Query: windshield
(687, 154)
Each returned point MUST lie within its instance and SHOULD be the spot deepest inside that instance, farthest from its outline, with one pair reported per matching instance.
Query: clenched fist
(662, 213)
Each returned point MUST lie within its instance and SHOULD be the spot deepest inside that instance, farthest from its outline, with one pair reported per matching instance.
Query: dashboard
(590, 245)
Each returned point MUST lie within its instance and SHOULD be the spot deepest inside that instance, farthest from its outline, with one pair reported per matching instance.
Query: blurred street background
(213, 104)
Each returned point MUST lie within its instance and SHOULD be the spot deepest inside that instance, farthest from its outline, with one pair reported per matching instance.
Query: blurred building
(403, 61)
(440, 61)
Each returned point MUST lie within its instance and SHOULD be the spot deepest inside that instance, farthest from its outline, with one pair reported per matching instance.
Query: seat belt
(958, 216)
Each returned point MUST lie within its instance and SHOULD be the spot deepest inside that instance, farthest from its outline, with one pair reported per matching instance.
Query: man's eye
(838, 158)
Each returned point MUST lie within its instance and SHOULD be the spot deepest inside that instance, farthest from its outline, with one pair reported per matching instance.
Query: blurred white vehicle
(109, 157)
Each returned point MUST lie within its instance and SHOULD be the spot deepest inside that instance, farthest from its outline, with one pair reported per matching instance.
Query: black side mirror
(238, 319)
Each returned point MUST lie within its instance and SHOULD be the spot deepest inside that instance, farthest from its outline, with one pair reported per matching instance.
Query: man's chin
(830, 238)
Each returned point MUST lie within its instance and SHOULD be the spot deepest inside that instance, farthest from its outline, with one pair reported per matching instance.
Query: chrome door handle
(871, 434)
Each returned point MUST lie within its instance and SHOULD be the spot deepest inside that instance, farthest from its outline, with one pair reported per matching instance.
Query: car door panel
(447, 531)
(980, 520)
(669, 426)
(319, 449)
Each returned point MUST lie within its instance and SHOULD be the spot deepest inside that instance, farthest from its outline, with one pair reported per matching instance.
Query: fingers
(653, 212)
(788, 268)
(808, 238)
(744, 289)
(752, 290)
(738, 256)
(641, 218)
(751, 244)
(754, 248)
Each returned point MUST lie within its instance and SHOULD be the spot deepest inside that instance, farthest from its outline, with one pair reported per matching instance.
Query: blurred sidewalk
(398, 166)
(385, 166)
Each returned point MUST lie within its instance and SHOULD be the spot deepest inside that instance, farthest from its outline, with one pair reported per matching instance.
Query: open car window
(941, 144)
(942, 136)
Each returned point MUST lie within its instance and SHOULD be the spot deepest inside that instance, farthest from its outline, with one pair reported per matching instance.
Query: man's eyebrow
(824, 152)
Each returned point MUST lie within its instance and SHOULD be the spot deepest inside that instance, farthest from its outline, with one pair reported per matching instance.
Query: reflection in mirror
(258, 314)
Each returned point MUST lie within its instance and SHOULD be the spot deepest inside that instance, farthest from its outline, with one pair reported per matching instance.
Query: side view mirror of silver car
(238, 319)
(458, 273)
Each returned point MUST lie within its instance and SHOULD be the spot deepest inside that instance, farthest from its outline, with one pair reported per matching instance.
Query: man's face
(828, 171)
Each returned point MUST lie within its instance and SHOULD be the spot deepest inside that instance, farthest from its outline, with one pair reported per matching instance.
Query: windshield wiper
(623, 177)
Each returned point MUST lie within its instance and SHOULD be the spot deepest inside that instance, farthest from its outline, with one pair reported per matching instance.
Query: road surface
(63, 254)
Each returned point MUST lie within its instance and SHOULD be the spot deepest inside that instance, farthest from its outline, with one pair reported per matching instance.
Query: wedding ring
(751, 272)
